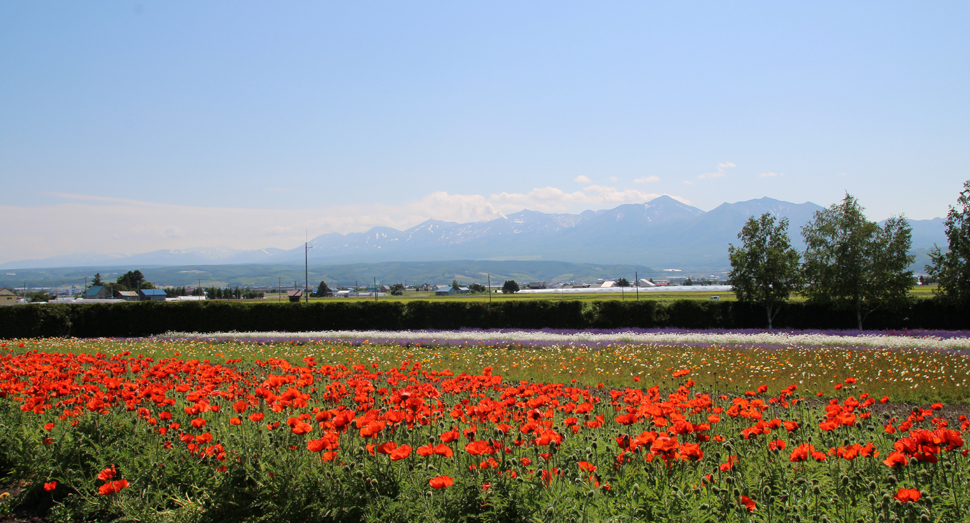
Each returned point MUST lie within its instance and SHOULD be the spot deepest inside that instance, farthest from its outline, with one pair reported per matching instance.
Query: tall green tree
(851, 261)
(323, 289)
(952, 268)
(97, 280)
(765, 268)
(510, 287)
(132, 280)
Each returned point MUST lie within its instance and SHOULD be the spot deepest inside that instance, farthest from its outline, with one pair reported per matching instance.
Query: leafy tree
(38, 296)
(397, 289)
(97, 280)
(510, 287)
(853, 262)
(133, 280)
(323, 289)
(688, 282)
(622, 282)
(765, 268)
(477, 288)
(454, 285)
(952, 268)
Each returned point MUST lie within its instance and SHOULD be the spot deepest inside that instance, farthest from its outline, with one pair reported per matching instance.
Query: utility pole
(489, 287)
(279, 290)
(306, 268)
(375, 289)
(636, 281)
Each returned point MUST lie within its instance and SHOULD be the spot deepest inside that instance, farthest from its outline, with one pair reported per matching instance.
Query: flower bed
(338, 431)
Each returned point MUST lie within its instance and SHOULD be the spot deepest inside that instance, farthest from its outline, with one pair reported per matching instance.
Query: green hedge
(152, 318)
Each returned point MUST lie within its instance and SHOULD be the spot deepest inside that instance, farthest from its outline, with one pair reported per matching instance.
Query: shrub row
(151, 318)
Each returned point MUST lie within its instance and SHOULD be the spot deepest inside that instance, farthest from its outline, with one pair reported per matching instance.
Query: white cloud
(688, 182)
(582, 179)
(647, 179)
(721, 171)
(99, 224)
(770, 175)
(613, 178)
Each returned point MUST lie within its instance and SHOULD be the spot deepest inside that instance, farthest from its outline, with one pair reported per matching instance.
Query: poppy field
(354, 429)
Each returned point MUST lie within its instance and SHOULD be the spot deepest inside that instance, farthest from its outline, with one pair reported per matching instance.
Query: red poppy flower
(896, 459)
(748, 503)
(113, 487)
(108, 473)
(729, 464)
(440, 482)
(400, 453)
(50, 486)
(907, 495)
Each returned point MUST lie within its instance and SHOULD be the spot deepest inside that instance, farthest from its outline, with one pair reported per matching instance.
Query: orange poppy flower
(113, 487)
(748, 503)
(400, 452)
(907, 495)
(108, 473)
(440, 482)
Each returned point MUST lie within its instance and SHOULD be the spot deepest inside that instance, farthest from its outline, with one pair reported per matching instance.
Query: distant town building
(127, 295)
(97, 292)
(8, 297)
(294, 296)
(153, 294)
(448, 290)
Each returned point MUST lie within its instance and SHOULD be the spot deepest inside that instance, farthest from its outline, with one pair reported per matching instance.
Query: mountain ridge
(660, 232)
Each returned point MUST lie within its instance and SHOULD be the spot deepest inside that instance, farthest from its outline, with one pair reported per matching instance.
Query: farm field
(488, 426)
(918, 292)
(412, 296)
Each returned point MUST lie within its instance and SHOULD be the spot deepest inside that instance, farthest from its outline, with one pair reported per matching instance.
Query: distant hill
(661, 233)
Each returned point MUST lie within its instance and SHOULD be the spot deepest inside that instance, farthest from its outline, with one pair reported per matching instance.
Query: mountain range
(660, 233)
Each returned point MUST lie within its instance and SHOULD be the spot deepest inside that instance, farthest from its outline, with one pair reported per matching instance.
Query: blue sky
(128, 127)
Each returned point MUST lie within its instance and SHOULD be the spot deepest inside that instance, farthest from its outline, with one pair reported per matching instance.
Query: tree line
(849, 262)
(216, 293)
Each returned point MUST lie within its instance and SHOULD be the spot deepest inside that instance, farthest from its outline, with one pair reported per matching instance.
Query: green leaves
(952, 268)
(852, 262)
(764, 270)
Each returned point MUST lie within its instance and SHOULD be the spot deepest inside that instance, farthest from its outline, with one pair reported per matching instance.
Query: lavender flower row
(933, 340)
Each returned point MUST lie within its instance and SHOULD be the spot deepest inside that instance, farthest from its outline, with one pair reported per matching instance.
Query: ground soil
(12, 490)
